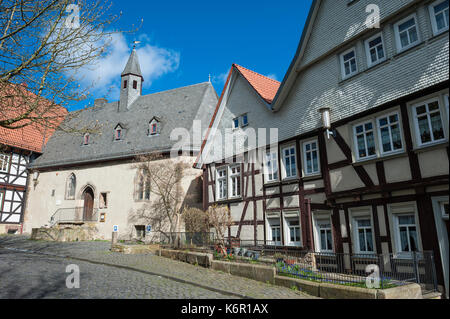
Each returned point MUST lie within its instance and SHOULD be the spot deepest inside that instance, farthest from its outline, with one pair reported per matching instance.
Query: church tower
(131, 83)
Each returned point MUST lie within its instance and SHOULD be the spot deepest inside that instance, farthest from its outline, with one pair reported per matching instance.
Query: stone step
(432, 295)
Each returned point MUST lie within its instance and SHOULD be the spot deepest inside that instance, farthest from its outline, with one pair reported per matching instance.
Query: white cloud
(272, 76)
(221, 78)
(104, 76)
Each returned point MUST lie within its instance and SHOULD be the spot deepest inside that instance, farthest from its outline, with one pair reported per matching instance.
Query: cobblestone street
(36, 269)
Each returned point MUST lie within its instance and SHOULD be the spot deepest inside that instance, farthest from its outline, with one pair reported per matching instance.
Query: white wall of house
(48, 194)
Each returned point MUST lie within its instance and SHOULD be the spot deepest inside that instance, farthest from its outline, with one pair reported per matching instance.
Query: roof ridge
(266, 77)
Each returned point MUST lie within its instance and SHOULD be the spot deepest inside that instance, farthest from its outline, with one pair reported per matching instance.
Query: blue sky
(182, 42)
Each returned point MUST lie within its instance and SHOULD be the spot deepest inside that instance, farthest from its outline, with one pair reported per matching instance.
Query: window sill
(312, 177)
(379, 158)
(403, 51)
(431, 146)
(290, 180)
(272, 183)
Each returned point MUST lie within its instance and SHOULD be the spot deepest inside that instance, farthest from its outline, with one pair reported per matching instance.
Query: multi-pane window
(375, 50)
(240, 121)
(4, 162)
(271, 166)
(325, 235)
(290, 162)
(407, 233)
(221, 183)
(293, 225)
(235, 181)
(428, 122)
(406, 33)
(311, 158)
(390, 133)
(348, 62)
(439, 16)
(143, 191)
(275, 231)
(364, 235)
(365, 140)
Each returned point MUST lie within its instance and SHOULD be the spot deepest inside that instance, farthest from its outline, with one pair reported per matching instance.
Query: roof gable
(266, 87)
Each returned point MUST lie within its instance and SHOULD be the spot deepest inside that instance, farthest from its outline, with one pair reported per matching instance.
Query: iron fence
(342, 268)
(188, 239)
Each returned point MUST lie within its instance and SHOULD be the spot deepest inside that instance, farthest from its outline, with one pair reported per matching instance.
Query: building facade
(18, 148)
(360, 161)
(95, 178)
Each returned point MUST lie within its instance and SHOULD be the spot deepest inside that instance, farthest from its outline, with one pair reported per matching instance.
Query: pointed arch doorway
(88, 207)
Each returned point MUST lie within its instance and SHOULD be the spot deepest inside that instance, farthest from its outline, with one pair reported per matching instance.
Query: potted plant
(278, 257)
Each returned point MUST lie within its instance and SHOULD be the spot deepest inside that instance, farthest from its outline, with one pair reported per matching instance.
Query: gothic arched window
(71, 186)
(143, 187)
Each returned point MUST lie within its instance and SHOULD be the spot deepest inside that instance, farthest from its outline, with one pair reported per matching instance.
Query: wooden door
(88, 204)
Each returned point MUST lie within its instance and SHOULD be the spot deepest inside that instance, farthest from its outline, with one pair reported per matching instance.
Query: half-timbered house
(362, 116)
(18, 148)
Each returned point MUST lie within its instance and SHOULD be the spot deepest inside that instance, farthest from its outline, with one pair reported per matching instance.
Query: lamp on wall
(326, 120)
(35, 175)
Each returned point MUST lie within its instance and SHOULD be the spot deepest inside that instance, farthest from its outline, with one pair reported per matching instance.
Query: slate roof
(133, 66)
(176, 108)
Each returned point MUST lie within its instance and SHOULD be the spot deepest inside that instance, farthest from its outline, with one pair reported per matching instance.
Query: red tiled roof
(32, 137)
(266, 87)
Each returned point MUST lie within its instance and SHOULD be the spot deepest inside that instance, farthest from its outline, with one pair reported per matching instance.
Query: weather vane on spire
(135, 43)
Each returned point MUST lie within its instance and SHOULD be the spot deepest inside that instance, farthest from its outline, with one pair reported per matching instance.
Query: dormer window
(118, 133)
(154, 127)
(86, 139)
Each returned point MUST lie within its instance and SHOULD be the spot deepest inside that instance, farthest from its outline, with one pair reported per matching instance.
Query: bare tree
(195, 220)
(43, 44)
(164, 175)
(219, 219)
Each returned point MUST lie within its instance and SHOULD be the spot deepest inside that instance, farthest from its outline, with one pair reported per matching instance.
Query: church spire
(131, 83)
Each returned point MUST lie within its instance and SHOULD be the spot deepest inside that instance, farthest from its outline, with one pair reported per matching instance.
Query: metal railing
(73, 215)
(187, 239)
(342, 268)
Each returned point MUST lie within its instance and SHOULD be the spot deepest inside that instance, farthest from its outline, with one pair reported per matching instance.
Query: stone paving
(152, 277)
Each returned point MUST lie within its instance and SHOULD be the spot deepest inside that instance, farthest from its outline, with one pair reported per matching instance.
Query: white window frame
(273, 168)
(380, 141)
(245, 115)
(397, 33)
(270, 228)
(220, 178)
(283, 162)
(369, 59)
(355, 140)
(116, 137)
(287, 227)
(436, 31)
(359, 214)
(5, 160)
(231, 177)
(305, 162)
(318, 220)
(236, 119)
(403, 209)
(446, 103)
(416, 122)
(346, 76)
